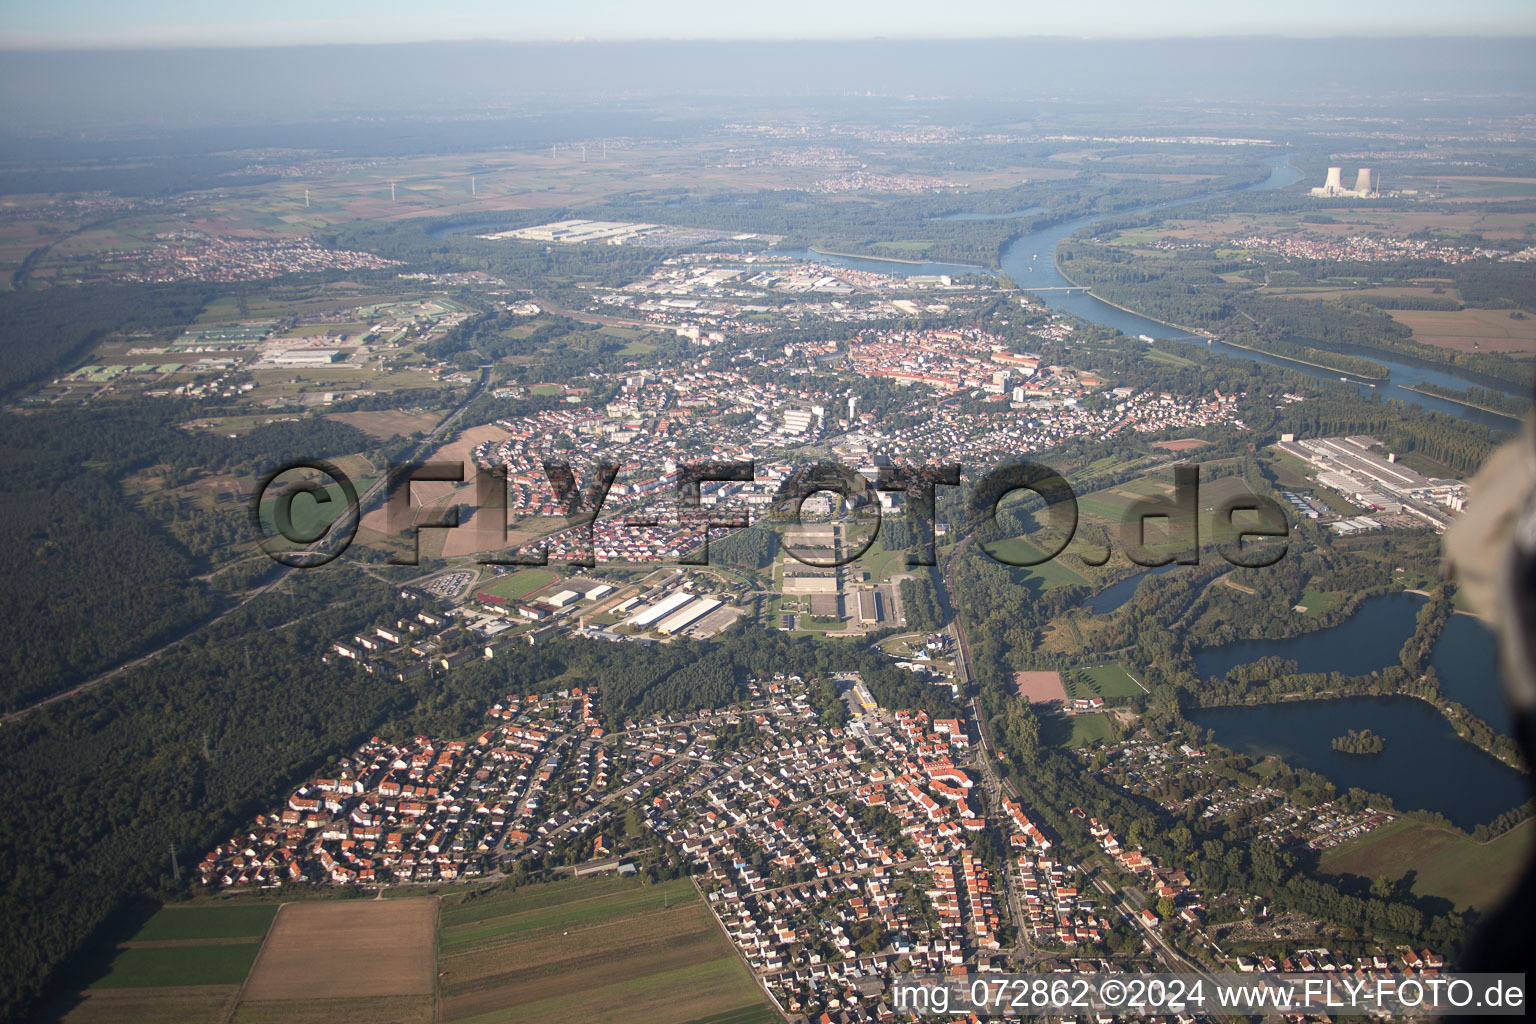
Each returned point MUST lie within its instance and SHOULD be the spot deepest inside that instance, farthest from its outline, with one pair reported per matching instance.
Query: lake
(1424, 766)
(1116, 594)
(1372, 638)
(1466, 658)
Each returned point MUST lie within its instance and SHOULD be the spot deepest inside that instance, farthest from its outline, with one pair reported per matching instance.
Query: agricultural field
(1108, 509)
(1442, 218)
(1506, 331)
(1053, 573)
(185, 1004)
(387, 423)
(348, 960)
(309, 514)
(182, 964)
(1444, 863)
(600, 949)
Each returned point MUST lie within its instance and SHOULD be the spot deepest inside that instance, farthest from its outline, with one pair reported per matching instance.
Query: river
(1424, 766)
(1030, 259)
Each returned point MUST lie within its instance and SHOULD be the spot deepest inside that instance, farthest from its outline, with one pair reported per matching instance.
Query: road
(1171, 959)
(363, 503)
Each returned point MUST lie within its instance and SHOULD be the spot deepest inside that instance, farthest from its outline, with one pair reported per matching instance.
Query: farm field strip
(599, 949)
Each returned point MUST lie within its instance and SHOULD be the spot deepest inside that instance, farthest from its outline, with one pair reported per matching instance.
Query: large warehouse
(687, 616)
(307, 357)
(658, 611)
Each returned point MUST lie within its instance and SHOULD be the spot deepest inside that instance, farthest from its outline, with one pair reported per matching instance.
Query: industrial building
(307, 357)
(869, 607)
(1351, 466)
(688, 615)
(576, 232)
(656, 612)
(1366, 185)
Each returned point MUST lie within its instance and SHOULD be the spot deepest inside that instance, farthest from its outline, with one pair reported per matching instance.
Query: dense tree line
(1307, 354)
(1484, 398)
(920, 601)
(1361, 741)
(753, 548)
(1429, 302)
(41, 331)
(93, 576)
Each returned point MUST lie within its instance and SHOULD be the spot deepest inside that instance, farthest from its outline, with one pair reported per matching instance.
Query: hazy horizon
(96, 23)
(300, 82)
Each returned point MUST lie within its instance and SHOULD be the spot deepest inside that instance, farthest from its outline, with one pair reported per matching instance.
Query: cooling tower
(1335, 182)
(1363, 184)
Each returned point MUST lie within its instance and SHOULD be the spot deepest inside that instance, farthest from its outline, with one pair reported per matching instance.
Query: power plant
(1333, 186)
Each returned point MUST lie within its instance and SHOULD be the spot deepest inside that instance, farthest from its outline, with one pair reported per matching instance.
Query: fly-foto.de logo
(1236, 527)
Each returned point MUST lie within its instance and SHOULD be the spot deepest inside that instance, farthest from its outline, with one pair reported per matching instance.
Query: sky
(93, 24)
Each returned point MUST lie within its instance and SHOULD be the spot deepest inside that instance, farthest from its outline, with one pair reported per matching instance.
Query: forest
(94, 578)
(552, 269)
(40, 331)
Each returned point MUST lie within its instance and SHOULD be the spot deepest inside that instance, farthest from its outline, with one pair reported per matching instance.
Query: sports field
(1108, 681)
(1444, 863)
(520, 584)
(1075, 730)
(1039, 687)
(601, 949)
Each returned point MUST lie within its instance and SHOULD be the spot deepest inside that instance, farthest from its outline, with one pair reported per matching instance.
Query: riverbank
(1458, 401)
(1192, 331)
(892, 259)
(1369, 377)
